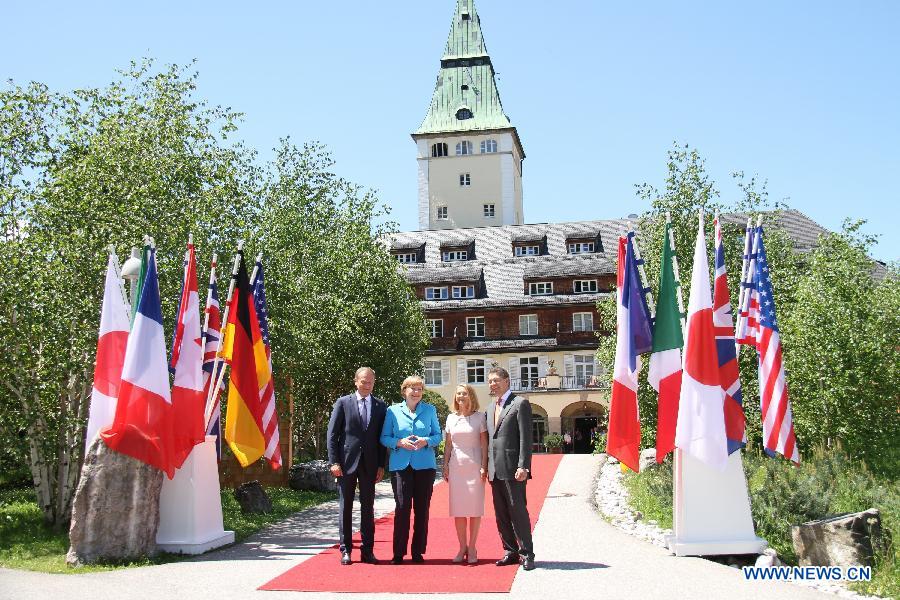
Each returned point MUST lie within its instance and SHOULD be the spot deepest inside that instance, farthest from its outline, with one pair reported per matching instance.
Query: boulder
(647, 459)
(314, 475)
(115, 512)
(253, 498)
(843, 540)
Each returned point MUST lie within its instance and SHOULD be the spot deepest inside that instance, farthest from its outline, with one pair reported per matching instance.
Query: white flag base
(712, 510)
(190, 505)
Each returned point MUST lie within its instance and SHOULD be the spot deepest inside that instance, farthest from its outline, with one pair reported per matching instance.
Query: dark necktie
(363, 414)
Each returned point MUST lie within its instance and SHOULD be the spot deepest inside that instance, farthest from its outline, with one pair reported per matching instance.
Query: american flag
(267, 393)
(729, 375)
(211, 343)
(761, 332)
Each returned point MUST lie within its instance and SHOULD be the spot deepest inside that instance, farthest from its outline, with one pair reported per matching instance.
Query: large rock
(253, 498)
(115, 513)
(844, 540)
(314, 475)
(647, 459)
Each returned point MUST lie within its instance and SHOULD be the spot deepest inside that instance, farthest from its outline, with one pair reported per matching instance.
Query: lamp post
(131, 270)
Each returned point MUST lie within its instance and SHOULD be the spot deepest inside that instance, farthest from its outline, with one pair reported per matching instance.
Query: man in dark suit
(509, 468)
(357, 457)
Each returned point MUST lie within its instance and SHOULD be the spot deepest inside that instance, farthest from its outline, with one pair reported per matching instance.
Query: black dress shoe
(345, 559)
(418, 559)
(510, 558)
(528, 563)
(369, 558)
(397, 560)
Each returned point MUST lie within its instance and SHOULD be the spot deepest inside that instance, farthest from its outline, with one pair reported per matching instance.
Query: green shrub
(553, 440)
(650, 492)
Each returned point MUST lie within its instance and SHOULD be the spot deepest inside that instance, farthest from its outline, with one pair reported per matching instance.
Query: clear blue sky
(805, 94)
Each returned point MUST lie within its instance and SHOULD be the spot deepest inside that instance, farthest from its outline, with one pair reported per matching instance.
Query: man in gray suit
(509, 468)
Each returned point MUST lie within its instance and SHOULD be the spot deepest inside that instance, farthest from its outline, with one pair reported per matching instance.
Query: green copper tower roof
(465, 95)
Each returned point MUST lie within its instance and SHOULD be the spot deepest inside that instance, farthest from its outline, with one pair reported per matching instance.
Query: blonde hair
(473, 398)
(411, 381)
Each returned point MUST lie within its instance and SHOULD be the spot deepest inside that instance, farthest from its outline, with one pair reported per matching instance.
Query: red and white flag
(114, 325)
(188, 401)
(211, 365)
(700, 431)
(143, 425)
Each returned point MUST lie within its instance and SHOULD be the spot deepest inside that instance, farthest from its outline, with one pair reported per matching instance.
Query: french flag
(114, 325)
(143, 424)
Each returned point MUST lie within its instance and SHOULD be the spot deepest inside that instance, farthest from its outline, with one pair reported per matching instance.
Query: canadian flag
(114, 324)
(188, 399)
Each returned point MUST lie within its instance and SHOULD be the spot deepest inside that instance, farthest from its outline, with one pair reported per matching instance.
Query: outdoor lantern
(131, 270)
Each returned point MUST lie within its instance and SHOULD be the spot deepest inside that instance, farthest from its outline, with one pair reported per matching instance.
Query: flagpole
(221, 375)
(255, 269)
(742, 292)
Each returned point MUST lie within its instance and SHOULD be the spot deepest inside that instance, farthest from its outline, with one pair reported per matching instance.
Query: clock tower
(469, 154)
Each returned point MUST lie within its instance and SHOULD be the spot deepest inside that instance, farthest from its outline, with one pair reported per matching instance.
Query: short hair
(411, 381)
(503, 373)
(362, 370)
(473, 398)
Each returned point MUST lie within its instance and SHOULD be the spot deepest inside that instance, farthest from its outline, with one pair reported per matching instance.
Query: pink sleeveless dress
(466, 486)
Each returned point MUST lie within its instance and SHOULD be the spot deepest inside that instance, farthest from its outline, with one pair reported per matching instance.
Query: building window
(540, 288)
(475, 370)
(538, 428)
(465, 179)
(528, 325)
(463, 114)
(436, 293)
(442, 213)
(463, 148)
(583, 321)
(488, 146)
(463, 291)
(584, 370)
(438, 150)
(580, 247)
(433, 373)
(527, 250)
(454, 255)
(436, 328)
(489, 211)
(475, 327)
(585, 286)
(528, 372)
(406, 257)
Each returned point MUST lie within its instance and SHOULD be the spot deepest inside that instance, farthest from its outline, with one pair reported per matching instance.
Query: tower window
(464, 87)
(463, 148)
(463, 114)
(488, 146)
(442, 213)
(438, 150)
(489, 210)
(465, 179)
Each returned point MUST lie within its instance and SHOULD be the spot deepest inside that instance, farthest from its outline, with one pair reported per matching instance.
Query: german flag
(244, 416)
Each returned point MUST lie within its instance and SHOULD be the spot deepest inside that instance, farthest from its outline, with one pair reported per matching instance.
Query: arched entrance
(582, 420)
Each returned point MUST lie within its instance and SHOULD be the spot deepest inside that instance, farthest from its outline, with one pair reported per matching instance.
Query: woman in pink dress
(465, 468)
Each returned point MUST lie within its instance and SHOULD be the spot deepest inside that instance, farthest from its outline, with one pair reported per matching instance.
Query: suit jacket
(349, 443)
(400, 423)
(509, 442)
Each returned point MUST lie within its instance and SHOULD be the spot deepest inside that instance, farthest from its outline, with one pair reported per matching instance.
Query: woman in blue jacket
(412, 432)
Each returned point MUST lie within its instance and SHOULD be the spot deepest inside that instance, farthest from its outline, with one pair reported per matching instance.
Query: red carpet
(324, 573)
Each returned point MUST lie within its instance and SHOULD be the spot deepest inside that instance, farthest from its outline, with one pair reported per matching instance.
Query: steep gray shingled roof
(505, 275)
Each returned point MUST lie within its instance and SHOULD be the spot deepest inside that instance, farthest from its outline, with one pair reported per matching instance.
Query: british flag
(729, 375)
(267, 393)
(760, 330)
(211, 336)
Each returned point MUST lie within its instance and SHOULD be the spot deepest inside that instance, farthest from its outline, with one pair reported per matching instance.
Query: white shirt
(364, 408)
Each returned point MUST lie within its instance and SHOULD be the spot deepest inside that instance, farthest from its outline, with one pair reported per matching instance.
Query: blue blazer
(400, 423)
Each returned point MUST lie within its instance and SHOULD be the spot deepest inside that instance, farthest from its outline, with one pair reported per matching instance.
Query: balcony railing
(559, 382)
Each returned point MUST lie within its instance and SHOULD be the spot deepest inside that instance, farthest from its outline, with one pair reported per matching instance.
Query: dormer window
(407, 257)
(463, 113)
(581, 247)
(488, 146)
(464, 147)
(534, 250)
(454, 255)
(540, 288)
(463, 291)
(585, 286)
(438, 150)
(436, 293)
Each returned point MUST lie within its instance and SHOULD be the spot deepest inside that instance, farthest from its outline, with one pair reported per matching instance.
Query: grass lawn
(25, 543)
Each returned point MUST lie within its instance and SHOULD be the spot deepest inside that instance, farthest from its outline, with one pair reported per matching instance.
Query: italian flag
(665, 362)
